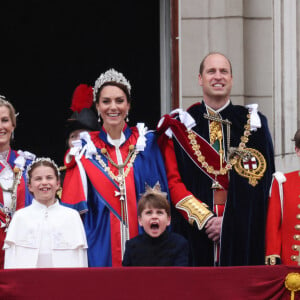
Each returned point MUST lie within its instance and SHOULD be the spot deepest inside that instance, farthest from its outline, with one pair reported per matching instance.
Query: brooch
(251, 166)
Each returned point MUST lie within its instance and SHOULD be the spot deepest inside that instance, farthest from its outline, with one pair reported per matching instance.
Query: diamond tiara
(110, 75)
(3, 98)
(4, 101)
(41, 159)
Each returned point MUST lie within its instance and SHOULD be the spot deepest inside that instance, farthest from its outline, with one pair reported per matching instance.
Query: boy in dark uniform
(156, 246)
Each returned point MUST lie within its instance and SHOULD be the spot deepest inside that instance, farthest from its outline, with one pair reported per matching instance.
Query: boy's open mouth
(154, 226)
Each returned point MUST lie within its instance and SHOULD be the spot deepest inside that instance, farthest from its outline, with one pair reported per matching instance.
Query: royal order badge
(252, 166)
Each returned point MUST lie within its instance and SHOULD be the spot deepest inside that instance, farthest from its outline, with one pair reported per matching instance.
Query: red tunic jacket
(283, 221)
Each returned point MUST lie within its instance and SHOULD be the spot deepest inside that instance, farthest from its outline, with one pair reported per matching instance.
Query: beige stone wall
(262, 40)
(210, 25)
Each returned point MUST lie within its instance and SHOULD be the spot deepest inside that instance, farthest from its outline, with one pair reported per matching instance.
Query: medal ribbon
(212, 157)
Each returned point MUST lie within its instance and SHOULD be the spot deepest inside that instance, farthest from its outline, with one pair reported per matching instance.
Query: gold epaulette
(197, 211)
(271, 259)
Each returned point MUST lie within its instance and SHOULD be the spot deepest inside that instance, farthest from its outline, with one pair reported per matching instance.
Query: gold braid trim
(271, 259)
(196, 211)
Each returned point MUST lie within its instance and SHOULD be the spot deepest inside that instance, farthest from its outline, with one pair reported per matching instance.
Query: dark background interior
(49, 47)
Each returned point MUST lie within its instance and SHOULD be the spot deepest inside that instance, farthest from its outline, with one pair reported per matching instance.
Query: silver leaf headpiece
(41, 159)
(156, 189)
(108, 76)
(3, 98)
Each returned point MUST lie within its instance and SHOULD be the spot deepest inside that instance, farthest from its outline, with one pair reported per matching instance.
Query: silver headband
(3, 98)
(110, 76)
(41, 159)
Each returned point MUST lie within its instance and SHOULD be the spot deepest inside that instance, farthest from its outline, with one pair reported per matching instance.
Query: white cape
(68, 246)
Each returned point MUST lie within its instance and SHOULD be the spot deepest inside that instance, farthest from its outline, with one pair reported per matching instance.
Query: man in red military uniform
(283, 219)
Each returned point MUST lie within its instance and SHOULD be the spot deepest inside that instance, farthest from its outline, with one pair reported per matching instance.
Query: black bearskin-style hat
(83, 117)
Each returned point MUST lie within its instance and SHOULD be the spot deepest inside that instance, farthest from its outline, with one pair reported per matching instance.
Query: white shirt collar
(220, 109)
(39, 205)
(116, 142)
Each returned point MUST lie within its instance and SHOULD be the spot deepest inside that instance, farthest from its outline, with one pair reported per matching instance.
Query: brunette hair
(155, 199)
(296, 139)
(117, 84)
(42, 162)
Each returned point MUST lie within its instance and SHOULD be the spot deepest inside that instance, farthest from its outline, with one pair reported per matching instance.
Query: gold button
(297, 227)
(298, 217)
(297, 237)
(295, 247)
(273, 261)
(293, 257)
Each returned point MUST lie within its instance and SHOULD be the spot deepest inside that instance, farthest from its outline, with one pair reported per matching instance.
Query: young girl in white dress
(45, 234)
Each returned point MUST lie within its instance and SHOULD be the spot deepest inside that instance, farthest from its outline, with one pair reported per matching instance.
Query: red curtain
(257, 282)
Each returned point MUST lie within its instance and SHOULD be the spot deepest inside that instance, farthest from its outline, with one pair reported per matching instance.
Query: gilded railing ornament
(292, 283)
